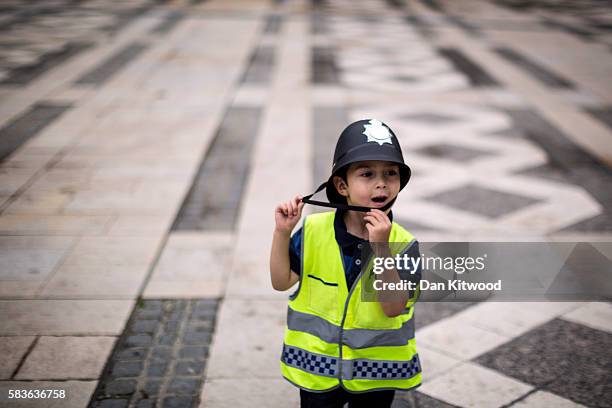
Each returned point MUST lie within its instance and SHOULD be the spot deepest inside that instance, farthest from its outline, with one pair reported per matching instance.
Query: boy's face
(370, 183)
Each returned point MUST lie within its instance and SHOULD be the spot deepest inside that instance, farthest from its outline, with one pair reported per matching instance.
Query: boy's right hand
(288, 214)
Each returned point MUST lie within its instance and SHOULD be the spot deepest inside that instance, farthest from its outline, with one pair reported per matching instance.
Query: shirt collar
(343, 237)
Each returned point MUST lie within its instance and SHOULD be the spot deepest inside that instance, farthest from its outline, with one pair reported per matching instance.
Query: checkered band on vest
(313, 363)
(386, 369)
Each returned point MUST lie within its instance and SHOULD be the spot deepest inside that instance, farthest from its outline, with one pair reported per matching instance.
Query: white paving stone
(459, 338)
(255, 353)
(470, 385)
(58, 358)
(77, 393)
(545, 399)
(433, 362)
(12, 349)
(191, 265)
(270, 393)
(597, 315)
(63, 317)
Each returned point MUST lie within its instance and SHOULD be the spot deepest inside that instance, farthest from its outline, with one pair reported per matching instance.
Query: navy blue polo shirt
(351, 246)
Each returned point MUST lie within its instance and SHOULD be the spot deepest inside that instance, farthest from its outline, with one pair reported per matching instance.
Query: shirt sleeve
(295, 249)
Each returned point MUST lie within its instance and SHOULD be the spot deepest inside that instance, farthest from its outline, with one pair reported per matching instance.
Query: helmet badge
(377, 132)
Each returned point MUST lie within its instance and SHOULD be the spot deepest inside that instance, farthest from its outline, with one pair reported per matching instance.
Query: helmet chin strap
(307, 200)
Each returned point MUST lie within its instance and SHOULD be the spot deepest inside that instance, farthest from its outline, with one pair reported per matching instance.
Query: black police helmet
(366, 139)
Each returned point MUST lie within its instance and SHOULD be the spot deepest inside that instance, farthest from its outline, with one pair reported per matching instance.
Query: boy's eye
(366, 173)
(392, 172)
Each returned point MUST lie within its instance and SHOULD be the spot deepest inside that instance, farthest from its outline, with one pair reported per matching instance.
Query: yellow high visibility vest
(332, 337)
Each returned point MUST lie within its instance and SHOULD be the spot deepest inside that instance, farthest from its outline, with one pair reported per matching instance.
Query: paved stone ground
(144, 144)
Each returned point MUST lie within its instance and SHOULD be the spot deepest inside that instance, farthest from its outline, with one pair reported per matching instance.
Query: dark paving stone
(133, 353)
(184, 386)
(189, 368)
(273, 24)
(453, 152)
(430, 312)
(147, 370)
(139, 340)
(152, 386)
(535, 69)
(146, 403)
(415, 399)
(167, 339)
(198, 326)
(260, 67)
(422, 26)
(205, 304)
(602, 114)
(25, 74)
(121, 387)
(483, 201)
(193, 352)
(113, 403)
(162, 352)
(179, 402)
(601, 223)
(581, 33)
(467, 27)
(214, 200)
(195, 339)
(29, 124)
(476, 74)
(171, 326)
(112, 65)
(323, 66)
(169, 23)
(148, 314)
(430, 118)
(127, 369)
(546, 171)
(581, 168)
(157, 369)
(413, 225)
(433, 5)
(145, 326)
(565, 358)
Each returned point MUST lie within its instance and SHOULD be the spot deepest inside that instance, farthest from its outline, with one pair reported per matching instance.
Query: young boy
(339, 347)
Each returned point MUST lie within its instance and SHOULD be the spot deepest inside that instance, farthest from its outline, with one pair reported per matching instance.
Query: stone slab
(256, 351)
(597, 315)
(63, 358)
(64, 317)
(12, 350)
(77, 393)
(271, 393)
(470, 385)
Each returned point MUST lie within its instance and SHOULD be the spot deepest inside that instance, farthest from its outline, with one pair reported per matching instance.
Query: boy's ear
(340, 185)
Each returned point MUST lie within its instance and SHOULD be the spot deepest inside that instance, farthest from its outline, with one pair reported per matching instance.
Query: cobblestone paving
(161, 357)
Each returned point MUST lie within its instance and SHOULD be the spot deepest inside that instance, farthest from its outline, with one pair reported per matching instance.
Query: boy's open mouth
(379, 199)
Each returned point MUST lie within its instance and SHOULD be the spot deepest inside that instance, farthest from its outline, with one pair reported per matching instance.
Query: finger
(374, 216)
(285, 209)
(369, 220)
(291, 208)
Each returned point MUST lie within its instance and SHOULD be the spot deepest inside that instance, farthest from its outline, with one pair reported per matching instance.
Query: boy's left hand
(378, 225)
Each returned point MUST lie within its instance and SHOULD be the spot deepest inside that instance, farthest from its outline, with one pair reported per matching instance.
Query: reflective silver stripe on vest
(314, 363)
(327, 366)
(354, 338)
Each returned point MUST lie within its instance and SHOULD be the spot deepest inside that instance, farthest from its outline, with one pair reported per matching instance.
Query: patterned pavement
(144, 142)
